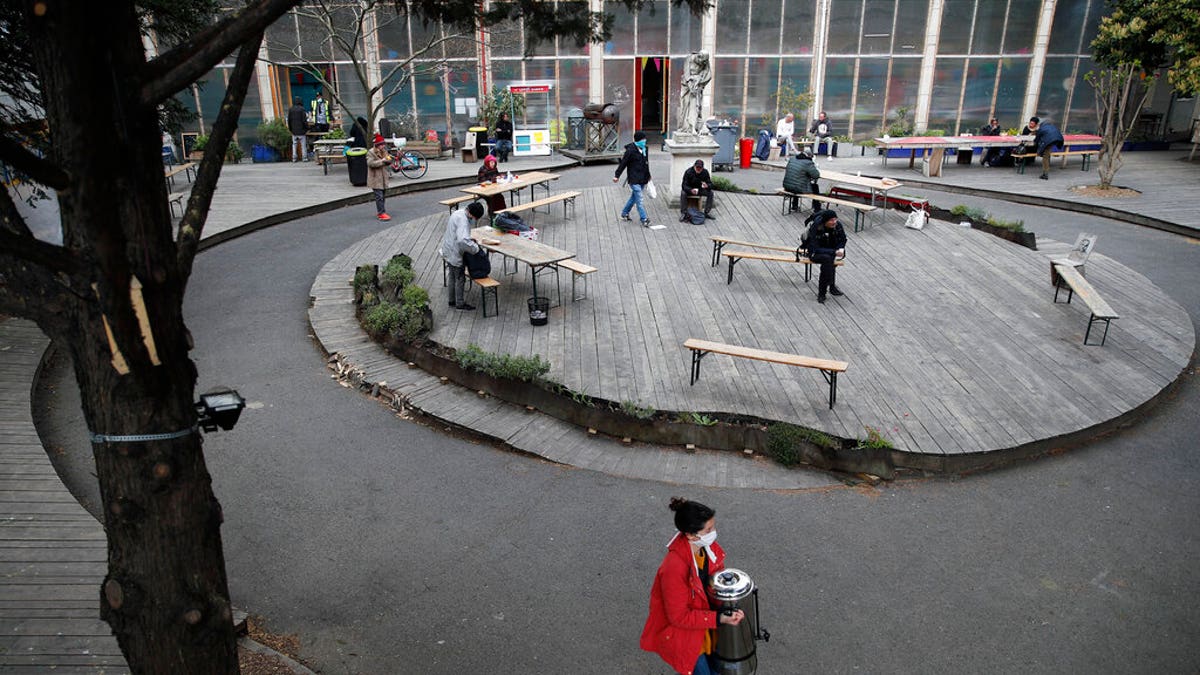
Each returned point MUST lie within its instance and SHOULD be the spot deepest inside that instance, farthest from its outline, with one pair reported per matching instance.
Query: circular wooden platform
(954, 342)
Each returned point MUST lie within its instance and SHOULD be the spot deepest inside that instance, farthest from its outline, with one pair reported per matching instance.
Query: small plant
(1013, 225)
(785, 441)
(703, 420)
(786, 100)
(275, 134)
(875, 439)
(935, 132)
(722, 184)
(414, 296)
(637, 411)
(398, 272)
(336, 133)
(752, 191)
(900, 125)
(842, 138)
(867, 143)
(972, 212)
(1012, 131)
(234, 152)
(582, 399)
(503, 366)
(958, 210)
(200, 143)
(382, 319)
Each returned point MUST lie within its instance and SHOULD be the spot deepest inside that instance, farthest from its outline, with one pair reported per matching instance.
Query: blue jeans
(635, 199)
(503, 147)
(703, 667)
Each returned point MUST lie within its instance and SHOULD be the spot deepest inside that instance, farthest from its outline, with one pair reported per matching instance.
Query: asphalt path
(392, 547)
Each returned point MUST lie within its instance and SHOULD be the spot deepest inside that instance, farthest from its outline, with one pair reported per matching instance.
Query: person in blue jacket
(1048, 139)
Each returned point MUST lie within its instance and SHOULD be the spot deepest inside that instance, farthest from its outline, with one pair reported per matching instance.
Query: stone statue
(696, 75)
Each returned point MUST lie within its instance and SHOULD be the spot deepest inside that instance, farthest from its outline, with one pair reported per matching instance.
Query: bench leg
(696, 356)
(807, 272)
(858, 225)
(831, 377)
(717, 246)
(1070, 292)
(730, 279)
(574, 278)
(483, 297)
(1091, 320)
(1086, 160)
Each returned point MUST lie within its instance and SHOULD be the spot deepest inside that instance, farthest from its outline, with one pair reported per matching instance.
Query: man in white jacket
(784, 130)
(455, 242)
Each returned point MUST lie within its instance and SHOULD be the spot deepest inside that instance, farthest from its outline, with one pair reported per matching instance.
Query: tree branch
(33, 290)
(190, 60)
(10, 217)
(32, 251)
(38, 169)
(192, 224)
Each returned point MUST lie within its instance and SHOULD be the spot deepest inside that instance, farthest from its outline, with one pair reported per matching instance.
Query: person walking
(785, 130)
(378, 159)
(1048, 139)
(636, 160)
(681, 628)
(297, 121)
(825, 242)
(800, 177)
(504, 137)
(696, 183)
(456, 241)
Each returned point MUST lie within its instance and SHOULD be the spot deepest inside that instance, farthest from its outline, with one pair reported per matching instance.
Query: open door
(651, 101)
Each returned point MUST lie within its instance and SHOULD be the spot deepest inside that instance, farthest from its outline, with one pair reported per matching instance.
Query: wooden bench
(794, 255)
(829, 368)
(564, 197)
(488, 287)
(431, 150)
(326, 157)
(860, 209)
(578, 271)
(1077, 285)
(175, 199)
(187, 168)
(453, 202)
(1019, 160)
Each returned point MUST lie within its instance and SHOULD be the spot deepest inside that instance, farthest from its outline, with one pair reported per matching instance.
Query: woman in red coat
(681, 627)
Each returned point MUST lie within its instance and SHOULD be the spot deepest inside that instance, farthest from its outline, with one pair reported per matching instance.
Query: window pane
(1083, 103)
(622, 32)
(911, 16)
(902, 89)
(845, 24)
(989, 27)
(652, 29)
(1092, 27)
(798, 19)
(877, 27)
(977, 100)
(868, 113)
(393, 35)
(573, 83)
(727, 89)
(947, 82)
(760, 87)
(839, 79)
(956, 26)
(685, 31)
(1010, 97)
(1067, 27)
(731, 33)
(764, 27)
(618, 90)
(281, 39)
(1023, 18)
(1056, 80)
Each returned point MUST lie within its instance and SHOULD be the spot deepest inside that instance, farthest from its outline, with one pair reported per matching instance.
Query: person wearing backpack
(636, 160)
(696, 183)
(825, 242)
(455, 242)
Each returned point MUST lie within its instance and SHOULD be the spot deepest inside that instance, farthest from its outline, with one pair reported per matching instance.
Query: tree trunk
(1120, 97)
(165, 594)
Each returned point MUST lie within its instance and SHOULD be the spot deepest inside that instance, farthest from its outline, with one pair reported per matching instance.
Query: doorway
(652, 79)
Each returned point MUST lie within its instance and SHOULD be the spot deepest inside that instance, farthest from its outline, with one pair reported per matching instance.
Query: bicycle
(411, 163)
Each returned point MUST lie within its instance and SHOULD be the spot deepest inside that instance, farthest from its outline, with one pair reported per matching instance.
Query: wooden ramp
(956, 342)
(52, 552)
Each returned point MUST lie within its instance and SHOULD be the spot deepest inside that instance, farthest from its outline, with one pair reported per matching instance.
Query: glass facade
(860, 59)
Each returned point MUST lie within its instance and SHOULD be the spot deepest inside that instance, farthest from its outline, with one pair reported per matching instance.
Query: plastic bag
(651, 190)
(917, 219)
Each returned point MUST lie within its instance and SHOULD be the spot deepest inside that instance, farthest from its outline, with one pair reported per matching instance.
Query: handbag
(651, 190)
(917, 219)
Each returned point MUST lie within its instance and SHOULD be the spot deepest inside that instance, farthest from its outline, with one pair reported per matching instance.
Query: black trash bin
(539, 311)
(356, 165)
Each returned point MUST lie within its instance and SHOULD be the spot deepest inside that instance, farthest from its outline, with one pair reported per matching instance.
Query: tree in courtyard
(1137, 39)
(80, 117)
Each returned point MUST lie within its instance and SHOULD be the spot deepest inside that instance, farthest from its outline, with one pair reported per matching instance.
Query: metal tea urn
(734, 654)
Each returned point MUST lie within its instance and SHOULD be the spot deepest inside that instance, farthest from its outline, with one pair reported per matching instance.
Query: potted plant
(274, 141)
(197, 152)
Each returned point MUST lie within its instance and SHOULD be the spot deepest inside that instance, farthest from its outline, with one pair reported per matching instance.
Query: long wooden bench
(829, 368)
(488, 287)
(794, 255)
(453, 202)
(564, 197)
(860, 209)
(175, 200)
(1019, 160)
(326, 157)
(578, 271)
(186, 168)
(1077, 285)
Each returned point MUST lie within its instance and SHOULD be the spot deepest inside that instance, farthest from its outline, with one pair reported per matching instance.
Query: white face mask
(705, 540)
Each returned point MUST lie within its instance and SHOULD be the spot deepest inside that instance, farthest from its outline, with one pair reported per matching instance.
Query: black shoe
(625, 217)
(465, 306)
(683, 219)
(451, 303)
(646, 222)
(834, 290)
(1045, 176)
(709, 215)
(821, 298)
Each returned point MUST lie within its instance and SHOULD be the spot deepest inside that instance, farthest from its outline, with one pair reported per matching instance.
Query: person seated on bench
(785, 129)
(800, 177)
(1048, 139)
(992, 128)
(825, 242)
(489, 173)
(822, 130)
(696, 183)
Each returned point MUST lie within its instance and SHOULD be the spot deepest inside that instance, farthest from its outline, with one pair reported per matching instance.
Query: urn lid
(730, 584)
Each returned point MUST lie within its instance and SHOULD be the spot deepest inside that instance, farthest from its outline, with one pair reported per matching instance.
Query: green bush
(414, 296)
(635, 409)
(365, 278)
(200, 143)
(504, 366)
(398, 272)
(935, 132)
(382, 319)
(785, 442)
(1013, 225)
(275, 134)
(959, 210)
(874, 439)
(336, 133)
(722, 184)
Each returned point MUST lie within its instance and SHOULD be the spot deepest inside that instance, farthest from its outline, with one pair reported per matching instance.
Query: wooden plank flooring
(52, 552)
(954, 342)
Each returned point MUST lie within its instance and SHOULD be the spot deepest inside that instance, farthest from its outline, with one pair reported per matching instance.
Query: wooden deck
(52, 552)
(953, 339)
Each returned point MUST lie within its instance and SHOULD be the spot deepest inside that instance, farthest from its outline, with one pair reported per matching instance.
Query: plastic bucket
(746, 150)
(539, 311)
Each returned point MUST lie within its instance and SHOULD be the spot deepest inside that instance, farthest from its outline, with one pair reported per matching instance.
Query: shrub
(365, 279)
(234, 152)
(636, 410)
(959, 210)
(504, 366)
(382, 319)
(275, 134)
(784, 442)
(398, 272)
(414, 296)
(1013, 225)
(703, 420)
(336, 133)
(722, 184)
(935, 132)
(874, 439)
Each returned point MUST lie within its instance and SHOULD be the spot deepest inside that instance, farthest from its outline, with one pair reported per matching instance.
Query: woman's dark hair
(690, 517)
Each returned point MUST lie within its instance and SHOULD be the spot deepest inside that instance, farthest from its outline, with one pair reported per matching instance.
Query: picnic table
(538, 256)
(936, 146)
(875, 186)
(530, 180)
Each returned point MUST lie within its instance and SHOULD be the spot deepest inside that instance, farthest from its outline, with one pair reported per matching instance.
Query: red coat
(679, 612)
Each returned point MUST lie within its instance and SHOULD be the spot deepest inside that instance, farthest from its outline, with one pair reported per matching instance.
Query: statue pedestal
(685, 150)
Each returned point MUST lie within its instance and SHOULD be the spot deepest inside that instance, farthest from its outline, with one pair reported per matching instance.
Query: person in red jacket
(681, 627)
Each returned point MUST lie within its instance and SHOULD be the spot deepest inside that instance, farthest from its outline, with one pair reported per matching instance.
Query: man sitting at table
(800, 177)
(696, 183)
(992, 128)
(456, 241)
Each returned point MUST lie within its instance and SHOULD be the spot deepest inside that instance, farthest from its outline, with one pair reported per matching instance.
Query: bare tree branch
(30, 250)
(30, 288)
(10, 217)
(190, 60)
(39, 169)
(194, 216)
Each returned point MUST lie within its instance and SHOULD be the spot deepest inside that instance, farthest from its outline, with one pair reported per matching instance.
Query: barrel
(593, 111)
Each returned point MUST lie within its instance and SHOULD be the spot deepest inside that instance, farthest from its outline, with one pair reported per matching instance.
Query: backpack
(695, 216)
(478, 264)
(510, 222)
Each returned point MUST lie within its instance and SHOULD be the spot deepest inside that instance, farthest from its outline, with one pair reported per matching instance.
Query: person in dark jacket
(822, 130)
(636, 160)
(358, 134)
(825, 242)
(297, 121)
(696, 182)
(504, 137)
(489, 173)
(800, 177)
(992, 128)
(1048, 139)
